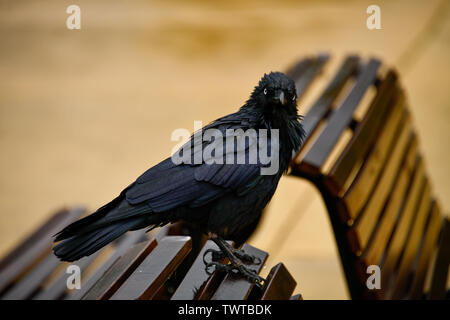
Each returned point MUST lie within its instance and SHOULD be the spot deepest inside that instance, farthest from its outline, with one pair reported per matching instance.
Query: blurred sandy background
(84, 112)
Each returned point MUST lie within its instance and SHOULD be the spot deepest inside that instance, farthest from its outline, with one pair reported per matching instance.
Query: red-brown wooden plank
(370, 174)
(376, 247)
(429, 242)
(383, 116)
(119, 271)
(279, 284)
(305, 80)
(323, 105)
(361, 231)
(124, 244)
(304, 72)
(357, 190)
(405, 270)
(397, 243)
(29, 284)
(35, 246)
(439, 278)
(299, 68)
(58, 287)
(156, 268)
(339, 120)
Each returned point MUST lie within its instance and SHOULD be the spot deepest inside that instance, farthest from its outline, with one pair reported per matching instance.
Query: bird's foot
(217, 255)
(238, 261)
(235, 268)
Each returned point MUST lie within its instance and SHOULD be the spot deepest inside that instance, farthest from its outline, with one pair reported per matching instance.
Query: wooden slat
(33, 279)
(305, 80)
(339, 120)
(402, 226)
(323, 105)
(299, 68)
(424, 259)
(279, 284)
(383, 155)
(125, 244)
(119, 271)
(438, 286)
(40, 273)
(304, 72)
(405, 271)
(28, 244)
(47, 228)
(376, 247)
(234, 287)
(34, 247)
(197, 284)
(156, 268)
(361, 231)
(58, 287)
(388, 103)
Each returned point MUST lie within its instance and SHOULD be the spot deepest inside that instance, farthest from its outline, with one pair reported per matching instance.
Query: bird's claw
(218, 267)
(251, 275)
(237, 268)
(217, 255)
(244, 257)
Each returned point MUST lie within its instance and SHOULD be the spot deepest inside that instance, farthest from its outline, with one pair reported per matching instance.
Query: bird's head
(275, 93)
(274, 99)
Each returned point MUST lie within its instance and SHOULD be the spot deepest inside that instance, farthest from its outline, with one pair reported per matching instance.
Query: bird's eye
(265, 91)
(294, 97)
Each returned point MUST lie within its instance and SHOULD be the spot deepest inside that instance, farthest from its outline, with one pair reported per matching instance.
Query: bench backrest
(362, 154)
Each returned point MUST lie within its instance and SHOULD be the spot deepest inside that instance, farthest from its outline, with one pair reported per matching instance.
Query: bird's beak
(282, 98)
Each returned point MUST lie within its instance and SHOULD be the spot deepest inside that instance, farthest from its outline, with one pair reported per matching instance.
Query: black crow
(223, 192)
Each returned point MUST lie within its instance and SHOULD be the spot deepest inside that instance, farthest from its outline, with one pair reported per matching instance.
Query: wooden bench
(361, 153)
(139, 265)
(363, 156)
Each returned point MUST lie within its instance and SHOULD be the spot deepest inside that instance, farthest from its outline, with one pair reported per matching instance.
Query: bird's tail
(86, 236)
(85, 244)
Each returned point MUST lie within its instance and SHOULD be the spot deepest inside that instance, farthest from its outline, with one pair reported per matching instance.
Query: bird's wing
(168, 185)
